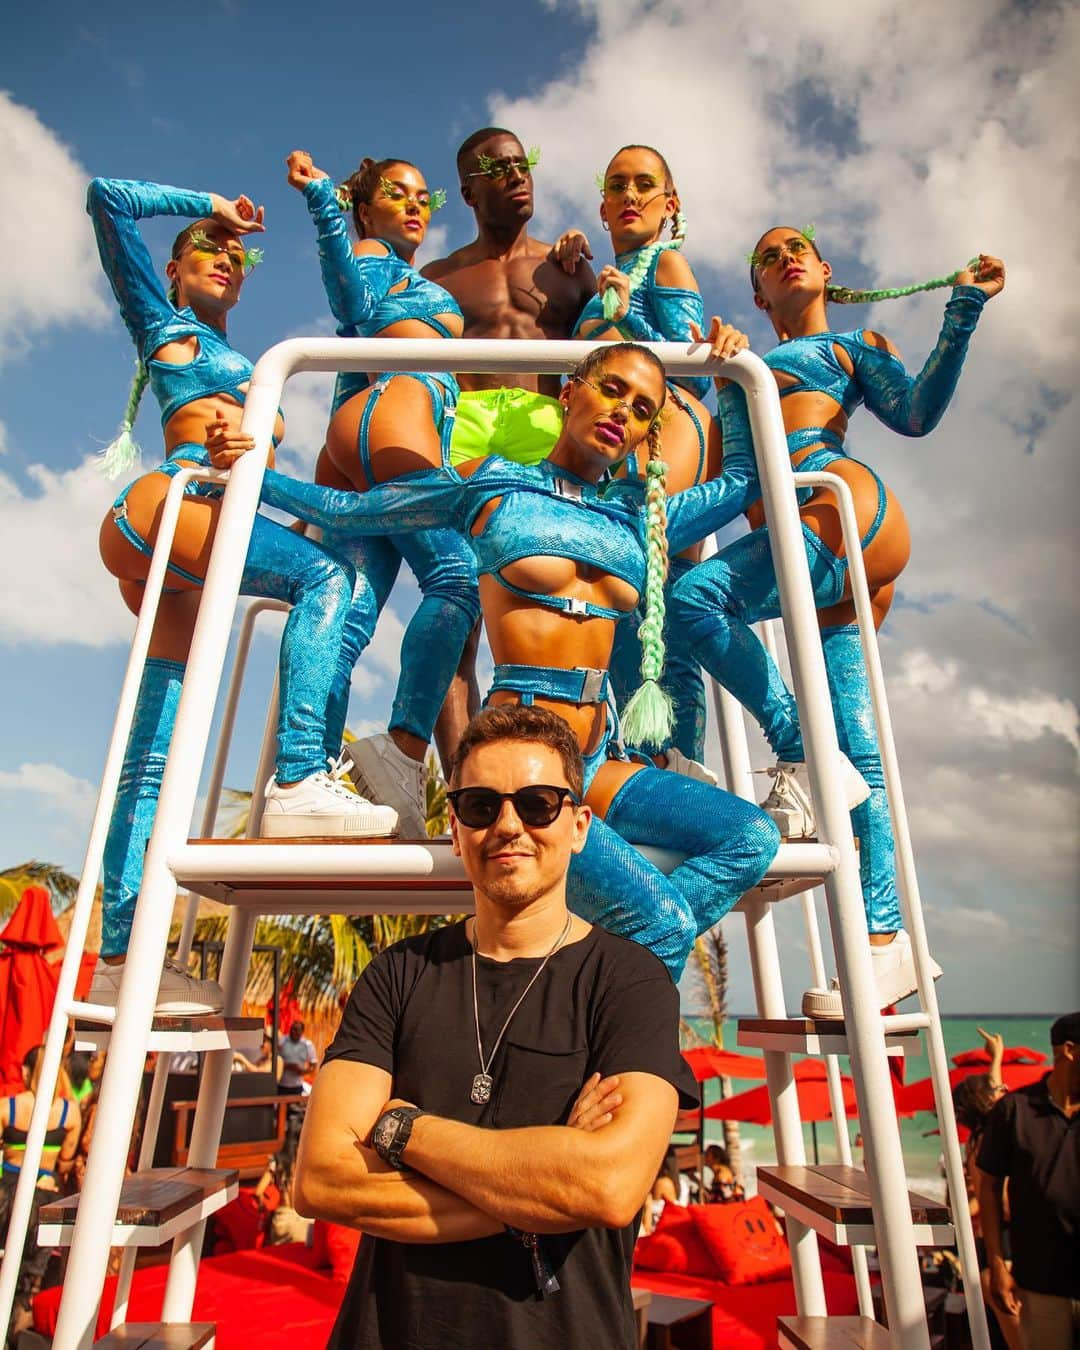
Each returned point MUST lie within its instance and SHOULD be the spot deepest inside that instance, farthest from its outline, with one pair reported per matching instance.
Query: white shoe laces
(786, 789)
(333, 780)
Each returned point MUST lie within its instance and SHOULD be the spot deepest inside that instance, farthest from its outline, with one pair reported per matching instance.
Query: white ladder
(423, 877)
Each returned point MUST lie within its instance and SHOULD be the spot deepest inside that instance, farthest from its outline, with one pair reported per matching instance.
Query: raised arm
(115, 206)
(701, 510)
(354, 284)
(420, 501)
(914, 405)
(552, 1178)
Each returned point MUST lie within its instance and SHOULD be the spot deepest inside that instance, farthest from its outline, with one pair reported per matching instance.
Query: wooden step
(810, 1036)
(835, 1201)
(184, 1034)
(393, 876)
(832, 1333)
(158, 1336)
(155, 1205)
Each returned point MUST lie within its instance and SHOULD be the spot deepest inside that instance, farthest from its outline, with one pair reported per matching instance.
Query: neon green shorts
(514, 423)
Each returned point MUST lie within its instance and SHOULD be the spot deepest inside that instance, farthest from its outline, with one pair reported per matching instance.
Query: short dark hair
(469, 144)
(516, 722)
(1066, 1028)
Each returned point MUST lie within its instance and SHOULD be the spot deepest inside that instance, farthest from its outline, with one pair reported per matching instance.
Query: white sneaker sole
(826, 1005)
(187, 1009)
(374, 780)
(282, 826)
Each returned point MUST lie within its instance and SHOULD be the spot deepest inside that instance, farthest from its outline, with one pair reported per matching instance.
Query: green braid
(844, 295)
(123, 454)
(648, 717)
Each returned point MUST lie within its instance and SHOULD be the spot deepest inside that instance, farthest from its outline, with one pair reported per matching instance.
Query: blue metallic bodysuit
(544, 510)
(359, 289)
(721, 598)
(280, 563)
(659, 314)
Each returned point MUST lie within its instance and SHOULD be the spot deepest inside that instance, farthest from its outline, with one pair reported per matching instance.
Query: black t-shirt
(1029, 1139)
(602, 1004)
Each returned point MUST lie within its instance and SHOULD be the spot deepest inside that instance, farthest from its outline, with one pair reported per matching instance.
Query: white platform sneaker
(894, 975)
(790, 804)
(179, 994)
(320, 806)
(677, 762)
(387, 774)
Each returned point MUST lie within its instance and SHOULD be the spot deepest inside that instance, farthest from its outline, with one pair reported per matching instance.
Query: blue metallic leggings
(682, 674)
(728, 843)
(281, 565)
(715, 605)
(445, 569)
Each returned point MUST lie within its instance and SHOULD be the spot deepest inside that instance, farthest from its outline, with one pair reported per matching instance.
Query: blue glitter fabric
(911, 405)
(656, 314)
(137, 799)
(280, 563)
(849, 689)
(359, 288)
(682, 678)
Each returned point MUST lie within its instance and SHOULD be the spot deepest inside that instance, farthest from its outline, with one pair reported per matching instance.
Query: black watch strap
(391, 1133)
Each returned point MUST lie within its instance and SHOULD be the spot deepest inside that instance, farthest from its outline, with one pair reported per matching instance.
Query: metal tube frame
(93, 1228)
(911, 903)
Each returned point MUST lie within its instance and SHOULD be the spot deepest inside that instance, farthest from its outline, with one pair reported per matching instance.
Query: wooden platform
(184, 1034)
(810, 1036)
(395, 876)
(158, 1336)
(835, 1201)
(155, 1205)
(832, 1333)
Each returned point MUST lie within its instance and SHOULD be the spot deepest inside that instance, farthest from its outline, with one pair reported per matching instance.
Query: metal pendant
(481, 1089)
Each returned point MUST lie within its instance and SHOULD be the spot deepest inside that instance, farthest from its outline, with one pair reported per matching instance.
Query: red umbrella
(707, 1061)
(1014, 1054)
(753, 1105)
(27, 982)
(919, 1096)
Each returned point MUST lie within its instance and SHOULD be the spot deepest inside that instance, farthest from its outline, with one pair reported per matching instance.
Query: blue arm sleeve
(354, 285)
(656, 314)
(701, 510)
(115, 205)
(431, 499)
(914, 406)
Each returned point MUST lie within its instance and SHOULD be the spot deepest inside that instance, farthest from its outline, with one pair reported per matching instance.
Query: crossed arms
(467, 1182)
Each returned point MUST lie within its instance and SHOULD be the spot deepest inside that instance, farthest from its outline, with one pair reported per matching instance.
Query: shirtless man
(508, 285)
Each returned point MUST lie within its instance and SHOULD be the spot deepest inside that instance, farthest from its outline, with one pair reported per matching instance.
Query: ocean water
(921, 1147)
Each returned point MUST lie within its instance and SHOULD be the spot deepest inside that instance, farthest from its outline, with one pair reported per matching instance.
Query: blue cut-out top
(359, 288)
(657, 314)
(115, 205)
(909, 404)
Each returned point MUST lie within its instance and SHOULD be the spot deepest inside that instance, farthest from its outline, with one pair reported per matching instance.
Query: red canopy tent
(1014, 1054)
(709, 1061)
(919, 1096)
(753, 1105)
(27, 982)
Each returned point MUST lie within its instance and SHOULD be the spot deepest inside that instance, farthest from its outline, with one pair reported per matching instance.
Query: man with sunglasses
(501, 1091)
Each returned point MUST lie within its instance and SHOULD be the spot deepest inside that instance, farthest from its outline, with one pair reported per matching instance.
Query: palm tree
(710, 950)
(61, 885)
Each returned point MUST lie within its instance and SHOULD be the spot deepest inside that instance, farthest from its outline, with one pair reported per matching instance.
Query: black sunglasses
(536, 805)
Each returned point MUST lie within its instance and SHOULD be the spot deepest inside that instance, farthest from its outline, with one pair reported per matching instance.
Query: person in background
(298, 1058)
(1032, 1140)
(274, 1193)
(724, 1186)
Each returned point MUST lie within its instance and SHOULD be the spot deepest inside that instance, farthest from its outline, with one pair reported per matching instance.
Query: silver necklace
(480, 1093)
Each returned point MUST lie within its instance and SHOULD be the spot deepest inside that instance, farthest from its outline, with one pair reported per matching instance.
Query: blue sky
(909, 153)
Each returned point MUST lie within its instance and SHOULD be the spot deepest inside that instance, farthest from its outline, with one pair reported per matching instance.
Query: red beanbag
(743, 1241)
(674, 1245)
(340, 1244)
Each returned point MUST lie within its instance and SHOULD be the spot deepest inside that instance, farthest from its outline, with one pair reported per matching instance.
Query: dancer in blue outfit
(823, 377)
(559, 565)
(377, 427)
(197, 378)
(651, 295)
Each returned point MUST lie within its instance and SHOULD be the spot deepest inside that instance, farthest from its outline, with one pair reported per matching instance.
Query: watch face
(385, 1132)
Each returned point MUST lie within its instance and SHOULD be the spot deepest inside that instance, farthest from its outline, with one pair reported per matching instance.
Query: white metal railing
(89, 1252)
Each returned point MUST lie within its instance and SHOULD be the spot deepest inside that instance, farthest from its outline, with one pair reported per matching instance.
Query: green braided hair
(846, 295)
(644, 259)
(649, 716)
(124, 453)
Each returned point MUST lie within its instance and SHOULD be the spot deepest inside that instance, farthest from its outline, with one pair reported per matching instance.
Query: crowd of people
(567, 517)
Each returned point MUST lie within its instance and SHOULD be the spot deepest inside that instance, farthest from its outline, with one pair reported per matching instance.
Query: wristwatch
(391, 1133)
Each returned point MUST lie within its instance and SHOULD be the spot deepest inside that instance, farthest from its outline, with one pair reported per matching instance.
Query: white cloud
(58, 590)
(73, 796)
(43, 223)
